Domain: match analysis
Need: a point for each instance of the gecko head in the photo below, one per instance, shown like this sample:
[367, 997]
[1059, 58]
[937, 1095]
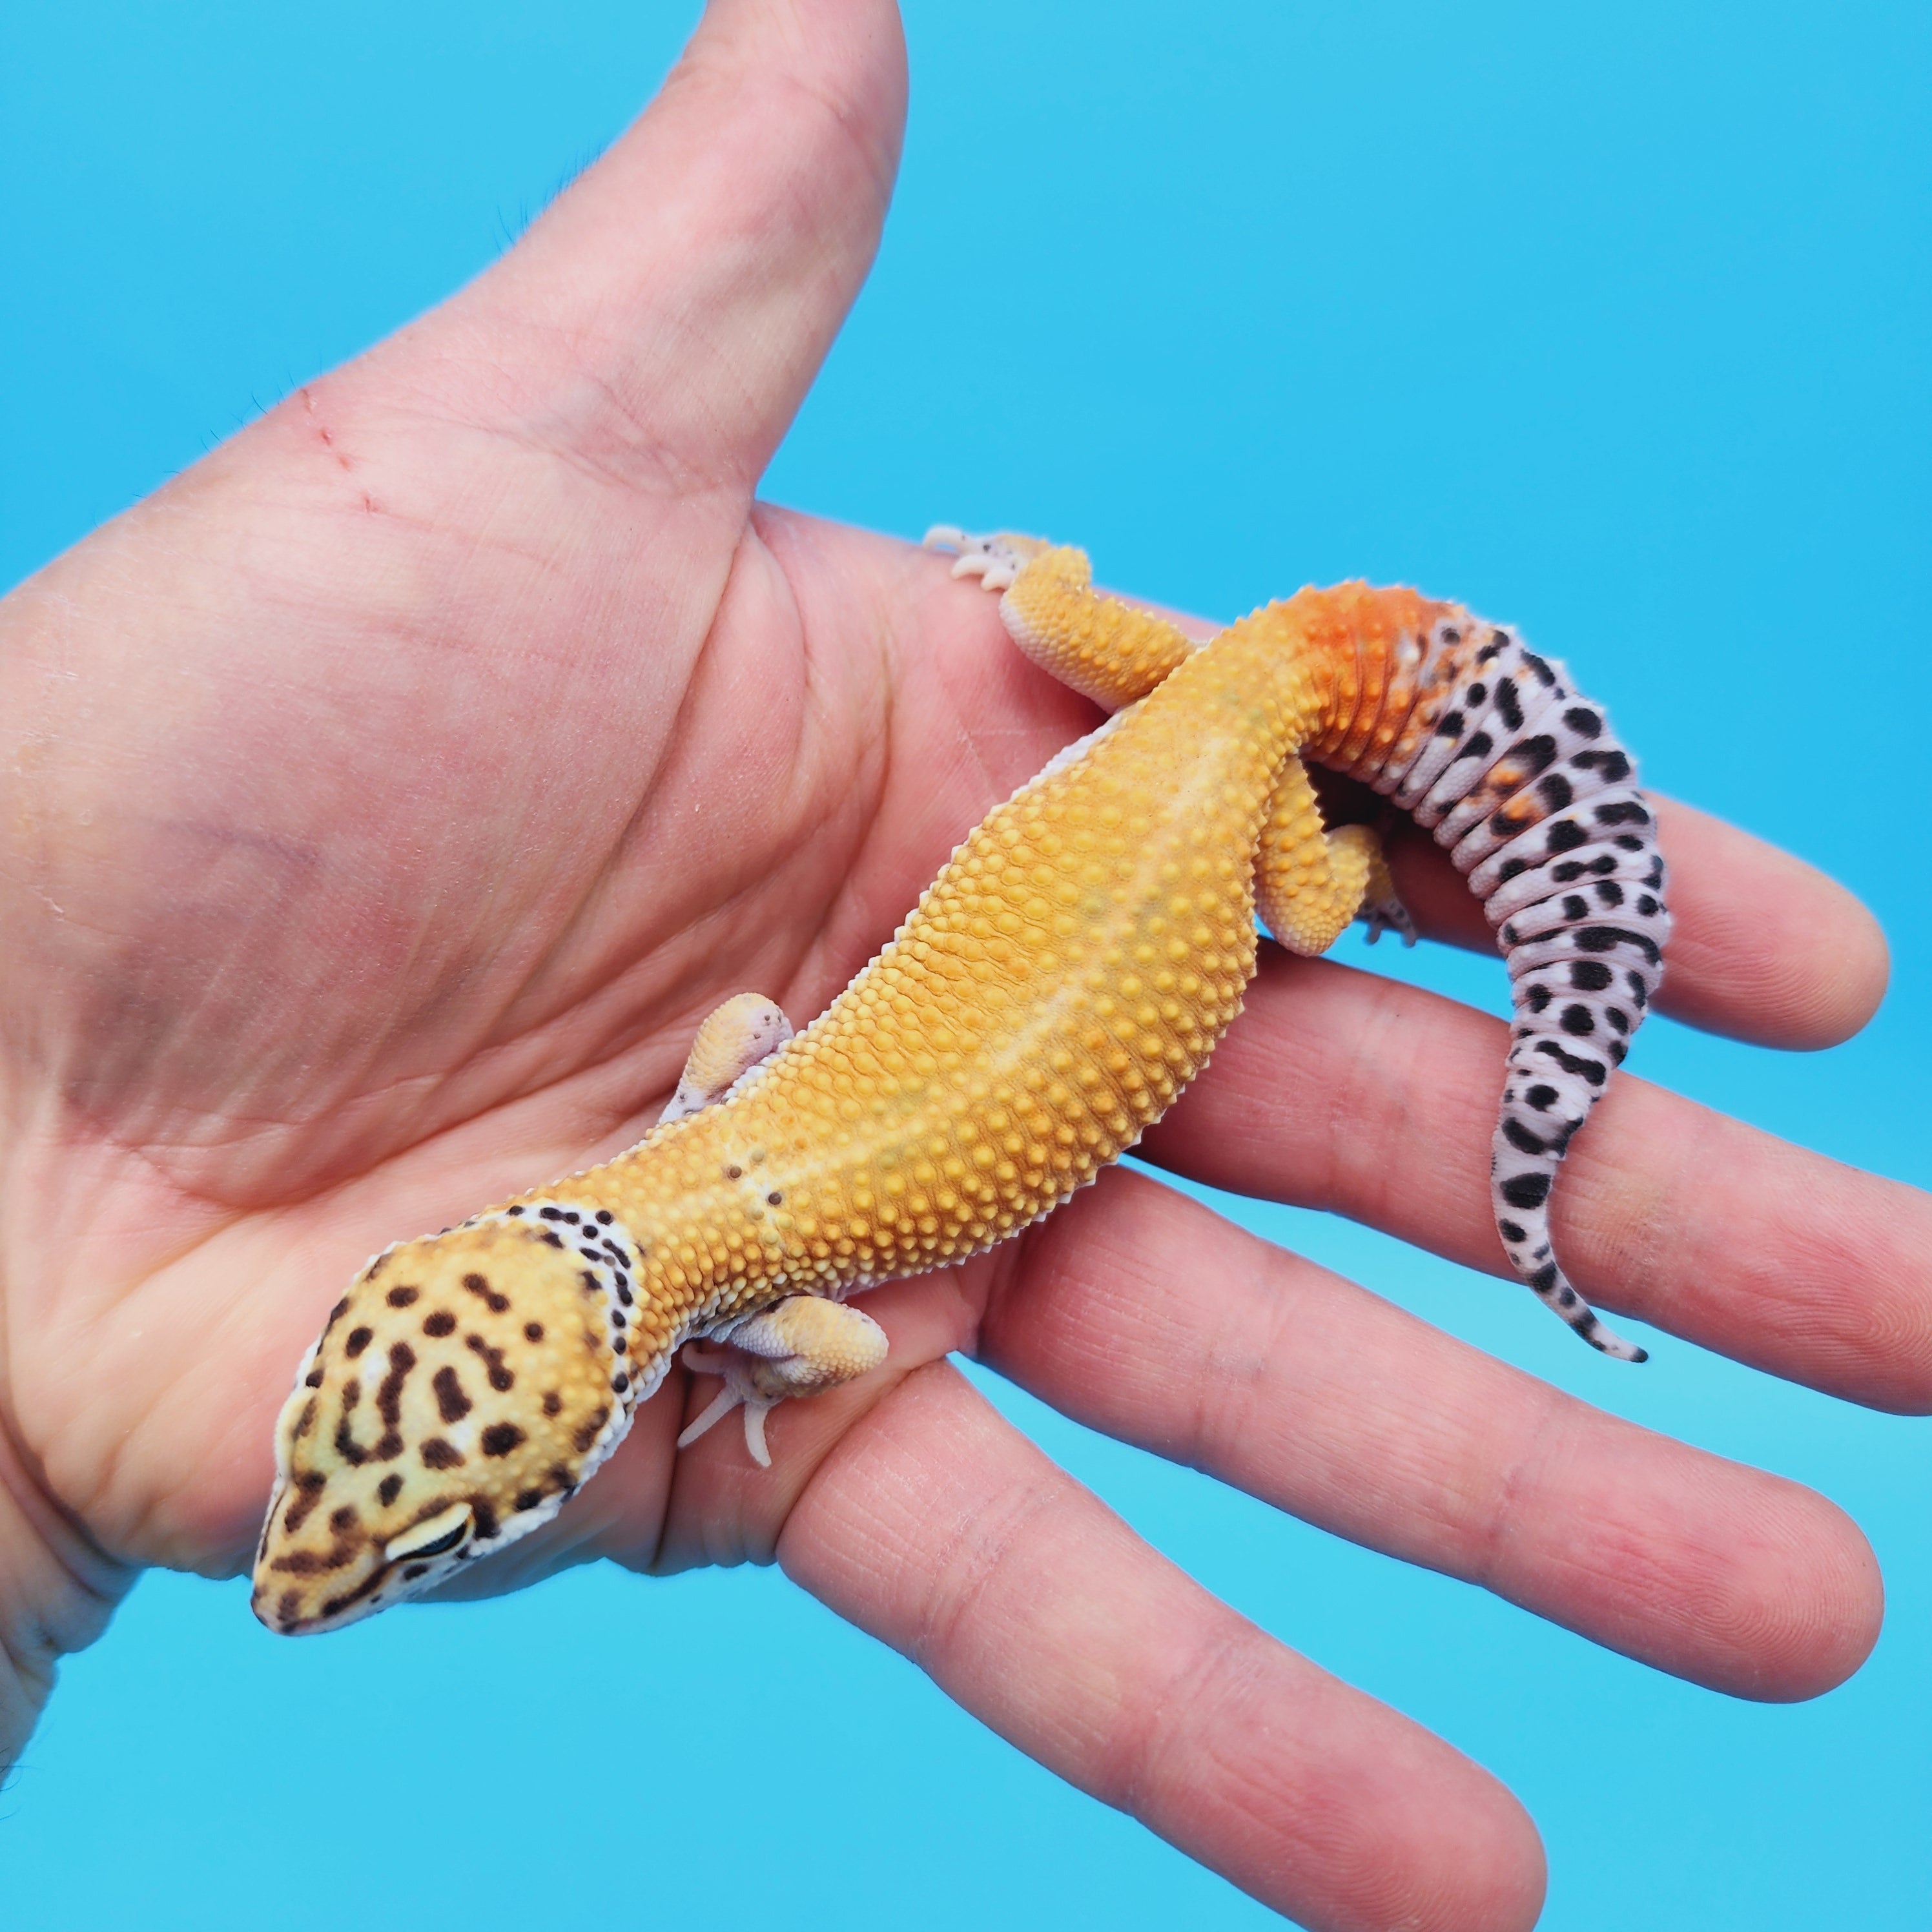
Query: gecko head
[461, 1392]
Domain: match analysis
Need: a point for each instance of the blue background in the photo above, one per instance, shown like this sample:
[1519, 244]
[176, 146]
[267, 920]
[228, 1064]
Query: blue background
[1613, 322]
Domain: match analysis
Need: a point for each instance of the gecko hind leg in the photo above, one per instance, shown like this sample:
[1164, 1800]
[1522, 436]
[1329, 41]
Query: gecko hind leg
[1111, 651]
[801, 1345]
[735, 1038]
[1310, 883]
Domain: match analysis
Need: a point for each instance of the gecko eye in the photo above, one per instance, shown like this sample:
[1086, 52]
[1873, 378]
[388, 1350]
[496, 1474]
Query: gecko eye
[434, 1536]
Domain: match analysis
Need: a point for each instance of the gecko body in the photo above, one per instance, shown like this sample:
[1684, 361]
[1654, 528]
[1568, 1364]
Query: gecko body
[1066, 976]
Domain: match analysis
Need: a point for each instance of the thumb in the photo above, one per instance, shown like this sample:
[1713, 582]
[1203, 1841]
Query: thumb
[666, 315]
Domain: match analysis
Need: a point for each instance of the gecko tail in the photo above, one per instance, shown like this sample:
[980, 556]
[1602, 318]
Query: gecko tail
[1543, 1107]
[1520, 777]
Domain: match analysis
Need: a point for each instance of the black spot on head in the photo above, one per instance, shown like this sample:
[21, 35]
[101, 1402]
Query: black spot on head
[341, 1308]
[451, 1403]
[734, 1173]
[775, 1199]
[485, 1516]
[528, 1499]
[313, 1379]
[533, 1331]
[359, 1338]
[620, 1382]
[604, 1217]
[554, 1239]
[478, 1285]
[501, 1377]
[586, 1437]
[555, 1214]
[500, 1438]
[552, 1403]
[1526, 1190]
[389, 1489]
[440, 1324]
[514, 1213]
[401, 1298]
[343, 1519]
[1589, 976]
[389, 1394]
[438, 1454]
[1578, 1020]
[309, 1485]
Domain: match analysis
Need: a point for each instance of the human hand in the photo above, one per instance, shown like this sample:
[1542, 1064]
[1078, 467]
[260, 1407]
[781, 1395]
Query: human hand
[393, 794]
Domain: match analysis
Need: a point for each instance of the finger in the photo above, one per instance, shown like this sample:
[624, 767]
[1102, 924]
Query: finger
[680, 295]
[1341, 1090]
[943, 1532]
[1763, 947]
[1140, 1312]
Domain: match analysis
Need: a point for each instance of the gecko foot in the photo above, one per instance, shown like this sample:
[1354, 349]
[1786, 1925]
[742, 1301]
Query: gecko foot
[798, 1346]
[736, 1040]
[1387, 914]
[995, 559]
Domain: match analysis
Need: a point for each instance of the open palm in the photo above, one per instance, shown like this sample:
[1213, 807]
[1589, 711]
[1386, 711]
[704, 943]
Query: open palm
[389, 797]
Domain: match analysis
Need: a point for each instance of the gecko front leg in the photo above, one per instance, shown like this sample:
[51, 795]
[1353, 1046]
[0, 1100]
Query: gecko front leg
[736, 1038]
[804, 1343]
[802, 1346]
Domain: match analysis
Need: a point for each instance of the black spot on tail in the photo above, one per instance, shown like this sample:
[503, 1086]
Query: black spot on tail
[1526, 1190]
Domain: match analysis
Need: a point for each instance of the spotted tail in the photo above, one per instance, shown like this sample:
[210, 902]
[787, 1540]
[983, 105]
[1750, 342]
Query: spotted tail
[1520, 778]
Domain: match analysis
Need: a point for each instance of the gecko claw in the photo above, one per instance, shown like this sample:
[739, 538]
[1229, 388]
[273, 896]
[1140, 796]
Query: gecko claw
[995, 559]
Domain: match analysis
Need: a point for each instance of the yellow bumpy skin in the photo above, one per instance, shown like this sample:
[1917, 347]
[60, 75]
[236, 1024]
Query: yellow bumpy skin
[1065, 976]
